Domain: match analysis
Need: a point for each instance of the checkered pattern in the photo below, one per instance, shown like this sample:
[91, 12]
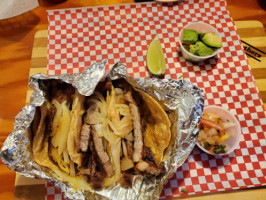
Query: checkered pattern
[53, 193]
[82, 36]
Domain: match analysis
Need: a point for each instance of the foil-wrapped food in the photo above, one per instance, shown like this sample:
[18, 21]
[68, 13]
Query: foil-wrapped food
[105, 135]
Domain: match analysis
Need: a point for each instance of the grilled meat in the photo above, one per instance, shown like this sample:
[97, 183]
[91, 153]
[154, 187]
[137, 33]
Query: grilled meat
[130, 149]
[148, 168]
[148, 155]
[138, 136]
[84, 137]
[50, 118]
[102, 155]
[94, 171]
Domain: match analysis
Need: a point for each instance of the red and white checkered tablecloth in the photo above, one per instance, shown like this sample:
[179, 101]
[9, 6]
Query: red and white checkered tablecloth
[82, 36]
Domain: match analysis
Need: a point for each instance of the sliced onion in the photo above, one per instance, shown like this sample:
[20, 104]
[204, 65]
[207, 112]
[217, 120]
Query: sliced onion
[99, 129]
[94, 118]
[123, 109]
[113, 112]
[72, 169]
[121, 105]
[56, 103]
[65, 156]
[119, 95]
[124, 148]
[60, 138]
[126, 121]
[110, 136]
[113, 126]
[126, 164]
[119, 91]
[123, 132]
[57, 116]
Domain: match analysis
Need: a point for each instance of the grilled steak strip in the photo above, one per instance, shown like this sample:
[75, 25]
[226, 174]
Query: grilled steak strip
[95, 173]
[50, 118]
[138, 139]
[130, 150]
[102, 155]
[84, 137]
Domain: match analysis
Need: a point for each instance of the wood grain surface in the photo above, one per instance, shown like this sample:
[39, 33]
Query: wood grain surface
[251, 33]
[16, 44]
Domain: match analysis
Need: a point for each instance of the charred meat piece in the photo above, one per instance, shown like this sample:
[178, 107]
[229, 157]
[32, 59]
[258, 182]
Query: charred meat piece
[138, 138]
[89, 162]
[108, 85]
[95, 173]
[148, 168]
[130, 149]
[50, 118]
[67, 92]
[84, 137]
[147, 165]
[127, 179]
[62, 92]
[97, 179]
[102, 155]
[148, 156]
[124, 85]
[103, 86]
[152, 169]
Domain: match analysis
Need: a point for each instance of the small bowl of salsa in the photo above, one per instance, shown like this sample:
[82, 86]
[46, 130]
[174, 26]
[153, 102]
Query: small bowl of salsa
[219, 132]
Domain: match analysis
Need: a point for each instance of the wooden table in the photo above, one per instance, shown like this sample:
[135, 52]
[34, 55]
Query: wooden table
[16, 43]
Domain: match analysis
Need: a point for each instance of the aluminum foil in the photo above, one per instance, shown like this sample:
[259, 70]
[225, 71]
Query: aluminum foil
[183, 101]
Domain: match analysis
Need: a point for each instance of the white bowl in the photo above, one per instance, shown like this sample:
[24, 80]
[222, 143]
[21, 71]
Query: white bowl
[235, 131]
[200, 27]
[167, 1]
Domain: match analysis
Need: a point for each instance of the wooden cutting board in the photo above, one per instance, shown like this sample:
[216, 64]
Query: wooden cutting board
[253, 38]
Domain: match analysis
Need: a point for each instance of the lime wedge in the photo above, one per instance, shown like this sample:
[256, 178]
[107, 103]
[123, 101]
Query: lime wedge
[155, 58]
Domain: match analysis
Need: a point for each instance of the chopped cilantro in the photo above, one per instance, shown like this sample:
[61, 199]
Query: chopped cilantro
[207, 145]
[219, 149]
[183, 191]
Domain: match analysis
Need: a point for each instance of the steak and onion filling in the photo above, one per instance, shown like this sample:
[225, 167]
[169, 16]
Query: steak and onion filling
[103, 139]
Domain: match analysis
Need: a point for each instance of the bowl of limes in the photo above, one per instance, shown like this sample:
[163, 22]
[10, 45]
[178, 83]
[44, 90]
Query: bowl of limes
[199, 41]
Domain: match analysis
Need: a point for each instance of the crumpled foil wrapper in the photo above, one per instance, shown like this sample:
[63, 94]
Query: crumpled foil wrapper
[178, 96]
